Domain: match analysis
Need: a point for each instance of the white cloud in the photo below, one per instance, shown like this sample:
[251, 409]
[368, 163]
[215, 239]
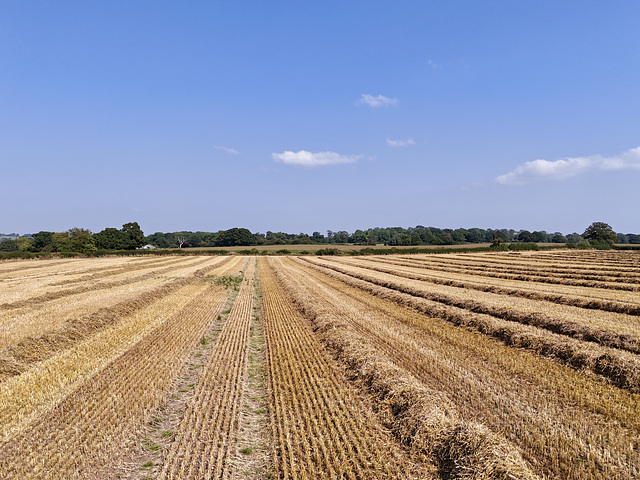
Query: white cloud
[310, 159]
[544, 169]
[230, 151]
[629, 160]
[569, 167]
[379, 101]
[400, 143]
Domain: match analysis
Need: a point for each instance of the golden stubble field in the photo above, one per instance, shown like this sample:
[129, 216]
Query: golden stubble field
[476, 366]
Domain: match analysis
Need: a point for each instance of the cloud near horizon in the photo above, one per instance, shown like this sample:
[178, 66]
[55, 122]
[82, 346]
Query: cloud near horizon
[400, 143]
[569, 167]
[379, 101]
[310, 159]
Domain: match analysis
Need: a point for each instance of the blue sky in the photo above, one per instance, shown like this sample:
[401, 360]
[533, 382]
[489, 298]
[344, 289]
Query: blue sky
[303, 116]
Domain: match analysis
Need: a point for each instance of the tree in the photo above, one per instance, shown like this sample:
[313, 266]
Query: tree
[525, 236]
[498, 242]
[600, 233]
[8, 245]
[129, 237]
[475, 235]
[359, 237]
[428, 238]
[181, 239]
[75, 239]
[574, 238]
[459, 235]
[111, 239]
[622, 238]
[539, 237]
[161, 240]
[235, 237]
[41, 241]
[317, 237]
[445, 238]
[341, 237]
[133, 235]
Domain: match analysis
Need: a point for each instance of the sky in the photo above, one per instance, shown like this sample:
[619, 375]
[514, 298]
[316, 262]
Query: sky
[308, 116]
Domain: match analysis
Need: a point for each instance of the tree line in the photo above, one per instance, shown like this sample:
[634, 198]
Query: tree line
[131, 237]
[79, 240]
[390, 236]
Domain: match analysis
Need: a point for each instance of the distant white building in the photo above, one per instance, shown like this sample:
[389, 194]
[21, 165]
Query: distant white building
[148, 246]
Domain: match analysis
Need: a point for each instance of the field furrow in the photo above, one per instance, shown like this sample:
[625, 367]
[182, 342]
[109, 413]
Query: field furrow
[35, 334]
[320, 427]
[620, 367]
[607, 328]
[477, 366]
[583, 297]
[206, 435]
[95, 418]
[186, 267]
[552, 413]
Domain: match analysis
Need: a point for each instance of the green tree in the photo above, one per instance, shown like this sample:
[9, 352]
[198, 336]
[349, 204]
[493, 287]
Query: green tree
[600, 233]
[359, 237]
[235, 237]
[459, 235]
[622, 238]
[428, 238]
[8, 245]
[111, 239]
[574, 238]
[317, 237]
[161, 240]
[525, 236]
[341, 237]
[475, 235]
[75, 239]
[498, 242]
[539, 237]
[133, 235]
[129, 237]
[42, 241]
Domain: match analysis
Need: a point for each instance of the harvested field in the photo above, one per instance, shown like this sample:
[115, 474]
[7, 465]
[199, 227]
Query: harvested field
[448, 366]
[320, 427]
[557, 398]
[206, 435]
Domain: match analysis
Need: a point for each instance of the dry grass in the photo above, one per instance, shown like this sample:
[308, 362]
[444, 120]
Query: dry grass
[100, 392]
[540, 310]
[554, 414]
[467, 375]
[420, 417]
[620, 367]
[583, 297]
[36, 332]
[320, 426]
[205, 438]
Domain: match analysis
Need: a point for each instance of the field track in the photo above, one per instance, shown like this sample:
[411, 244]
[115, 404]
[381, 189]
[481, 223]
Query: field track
[205, 437]
[318, 423]
[497, 365]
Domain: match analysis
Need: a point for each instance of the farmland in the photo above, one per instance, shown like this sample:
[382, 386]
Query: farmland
[484, 365]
